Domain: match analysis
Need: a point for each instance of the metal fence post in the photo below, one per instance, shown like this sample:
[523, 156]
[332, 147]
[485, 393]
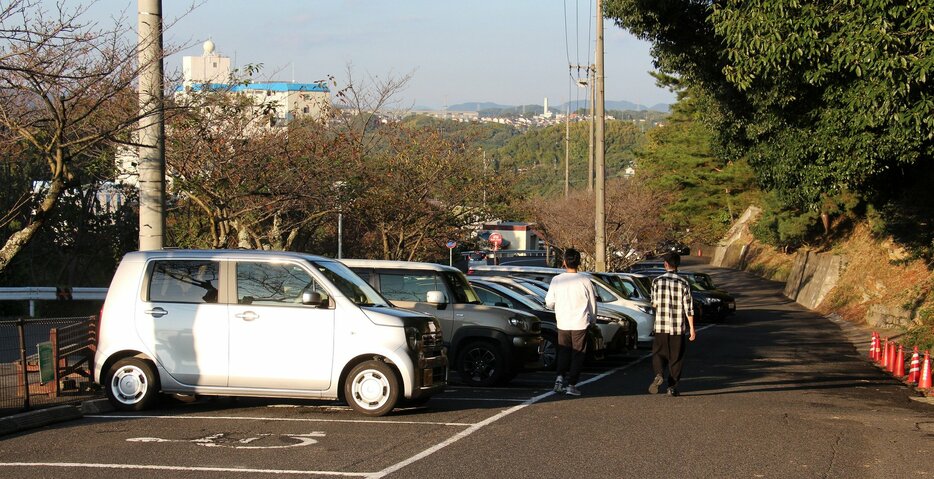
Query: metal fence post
[21, 326]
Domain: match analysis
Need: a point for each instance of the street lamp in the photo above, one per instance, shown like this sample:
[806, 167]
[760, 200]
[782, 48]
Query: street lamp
[339, 186]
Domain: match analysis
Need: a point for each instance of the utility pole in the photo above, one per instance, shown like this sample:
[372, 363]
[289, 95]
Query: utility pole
[567, 149]
[590, 72]
[599, 166]
[151, 126]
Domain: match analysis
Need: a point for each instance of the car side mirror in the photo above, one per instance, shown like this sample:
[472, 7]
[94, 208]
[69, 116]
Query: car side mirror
[312, 298]
[501, 304]
[437, 298]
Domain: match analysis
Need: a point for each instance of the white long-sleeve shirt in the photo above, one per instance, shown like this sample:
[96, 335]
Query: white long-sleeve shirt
[572, 297]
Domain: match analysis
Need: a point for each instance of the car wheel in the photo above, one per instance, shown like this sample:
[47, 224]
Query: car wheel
[371, 388]
[132, 384]
[549, 352]
[481, 363]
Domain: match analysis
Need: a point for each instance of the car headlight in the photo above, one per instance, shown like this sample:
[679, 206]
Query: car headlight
[646, 309]
[520, 323]
[413, 337]
[606, 319]
[710, 300]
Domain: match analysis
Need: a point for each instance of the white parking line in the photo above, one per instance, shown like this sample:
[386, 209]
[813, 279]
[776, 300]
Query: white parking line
[282, 419]
[480, 425]
[446, 398]
[185, 468]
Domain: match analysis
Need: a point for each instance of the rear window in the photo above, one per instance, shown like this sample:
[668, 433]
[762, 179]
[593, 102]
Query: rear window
[184, 282]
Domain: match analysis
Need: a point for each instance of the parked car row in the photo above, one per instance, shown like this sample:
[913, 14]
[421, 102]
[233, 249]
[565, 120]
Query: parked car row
[376, 334]
[710, 302]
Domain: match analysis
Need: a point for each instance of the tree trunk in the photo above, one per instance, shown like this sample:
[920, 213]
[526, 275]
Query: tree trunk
[825, 220]
[21, 238]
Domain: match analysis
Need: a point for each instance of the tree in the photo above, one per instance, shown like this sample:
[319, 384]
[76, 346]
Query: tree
[708, 191]
[633, 220]
[420, 190]
[826, 100]
[66, 96]
[242, 183]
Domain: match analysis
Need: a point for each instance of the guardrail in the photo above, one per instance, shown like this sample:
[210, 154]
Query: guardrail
[45, 293]
[46, 361]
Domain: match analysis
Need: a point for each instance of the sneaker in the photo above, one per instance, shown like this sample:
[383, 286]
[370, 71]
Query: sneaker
[572, 390]
[653, 388]
[672, 392]
[559, 385]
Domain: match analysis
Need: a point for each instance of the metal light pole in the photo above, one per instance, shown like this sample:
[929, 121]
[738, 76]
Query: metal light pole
[590, 71]
[151, 127]
[600, 149]
[340, 234]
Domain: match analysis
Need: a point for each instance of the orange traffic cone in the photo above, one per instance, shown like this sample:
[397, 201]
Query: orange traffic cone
[890, 360]
[872, 345]
[914, 369]
[884, 361]
[899, 370]
[924, 382]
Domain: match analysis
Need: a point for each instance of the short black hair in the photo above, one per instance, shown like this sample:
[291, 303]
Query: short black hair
[572, 258]
[672, 258]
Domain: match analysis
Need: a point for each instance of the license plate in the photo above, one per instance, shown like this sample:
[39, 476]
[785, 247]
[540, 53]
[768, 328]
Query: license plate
[427, 378]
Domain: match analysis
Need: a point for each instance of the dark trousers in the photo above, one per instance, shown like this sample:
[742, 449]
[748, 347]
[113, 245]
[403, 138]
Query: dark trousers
[572, 349]
[668, 352]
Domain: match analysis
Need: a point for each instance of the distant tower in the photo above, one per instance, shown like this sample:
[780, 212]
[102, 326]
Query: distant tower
[546, 107]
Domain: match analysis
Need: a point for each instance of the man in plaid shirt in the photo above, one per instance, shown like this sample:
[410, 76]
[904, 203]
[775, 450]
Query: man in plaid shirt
[671, 297]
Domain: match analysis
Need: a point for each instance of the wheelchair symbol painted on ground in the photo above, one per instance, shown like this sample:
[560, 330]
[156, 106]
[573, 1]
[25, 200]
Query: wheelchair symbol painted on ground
[259, 441]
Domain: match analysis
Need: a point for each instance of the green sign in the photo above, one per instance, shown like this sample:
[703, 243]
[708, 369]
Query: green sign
[46, 362]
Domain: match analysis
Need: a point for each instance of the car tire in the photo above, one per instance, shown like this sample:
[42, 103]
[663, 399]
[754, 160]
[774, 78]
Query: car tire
[132, 384]
[481, 364]
[372, 388]
[549, 352]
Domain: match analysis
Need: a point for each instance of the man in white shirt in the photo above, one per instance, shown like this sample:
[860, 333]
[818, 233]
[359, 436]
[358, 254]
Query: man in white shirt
[574, 300]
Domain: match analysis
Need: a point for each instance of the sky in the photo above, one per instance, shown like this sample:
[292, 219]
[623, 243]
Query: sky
[504, 51]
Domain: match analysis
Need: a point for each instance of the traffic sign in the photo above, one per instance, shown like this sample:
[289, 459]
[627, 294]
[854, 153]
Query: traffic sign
[496, 239]
[451, 244]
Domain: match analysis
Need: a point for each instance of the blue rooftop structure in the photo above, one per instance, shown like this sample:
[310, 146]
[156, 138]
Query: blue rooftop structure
[269, 86]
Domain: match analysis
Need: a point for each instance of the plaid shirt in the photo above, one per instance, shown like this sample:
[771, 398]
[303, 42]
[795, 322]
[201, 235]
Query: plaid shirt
[671, 296]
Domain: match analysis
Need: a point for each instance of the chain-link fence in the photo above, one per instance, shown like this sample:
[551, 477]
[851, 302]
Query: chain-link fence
[46, 361]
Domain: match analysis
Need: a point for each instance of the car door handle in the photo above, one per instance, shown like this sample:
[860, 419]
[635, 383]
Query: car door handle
[247, 315]
[156, 312]
[459, 315]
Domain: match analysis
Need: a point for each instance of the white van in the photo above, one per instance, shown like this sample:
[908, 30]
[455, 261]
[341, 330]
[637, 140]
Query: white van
[261, 323]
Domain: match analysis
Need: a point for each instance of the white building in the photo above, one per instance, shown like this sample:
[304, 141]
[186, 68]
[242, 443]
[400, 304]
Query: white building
[289, 100]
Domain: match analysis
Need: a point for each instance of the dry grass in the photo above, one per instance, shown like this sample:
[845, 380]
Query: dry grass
[768, 262]
[877, 274]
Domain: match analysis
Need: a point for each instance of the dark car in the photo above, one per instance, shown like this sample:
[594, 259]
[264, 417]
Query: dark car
[710, 303]
[495, 294]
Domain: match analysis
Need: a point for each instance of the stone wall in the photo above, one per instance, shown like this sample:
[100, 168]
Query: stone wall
[731, 252]
[812, 277]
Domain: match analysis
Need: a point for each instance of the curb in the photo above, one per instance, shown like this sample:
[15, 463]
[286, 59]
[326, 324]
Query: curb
[53, 415]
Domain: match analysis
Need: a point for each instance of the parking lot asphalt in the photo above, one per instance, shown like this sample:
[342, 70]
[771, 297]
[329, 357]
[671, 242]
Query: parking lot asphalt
[776, 391]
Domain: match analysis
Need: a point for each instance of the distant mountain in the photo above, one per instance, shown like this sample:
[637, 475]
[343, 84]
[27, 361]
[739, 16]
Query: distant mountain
[496, 108]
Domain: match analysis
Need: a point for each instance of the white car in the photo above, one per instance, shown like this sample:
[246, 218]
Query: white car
[260, 323]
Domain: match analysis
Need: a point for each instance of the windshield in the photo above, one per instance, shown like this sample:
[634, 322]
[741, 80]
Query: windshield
[640, 290]
[604, 291]
[695, 285]
[461, 288]
[351, 285]
[617, 284]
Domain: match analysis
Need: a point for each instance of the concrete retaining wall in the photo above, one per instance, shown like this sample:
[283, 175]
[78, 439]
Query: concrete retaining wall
[812, 277]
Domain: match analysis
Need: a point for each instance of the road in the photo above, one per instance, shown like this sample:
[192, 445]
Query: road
[777, 391]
